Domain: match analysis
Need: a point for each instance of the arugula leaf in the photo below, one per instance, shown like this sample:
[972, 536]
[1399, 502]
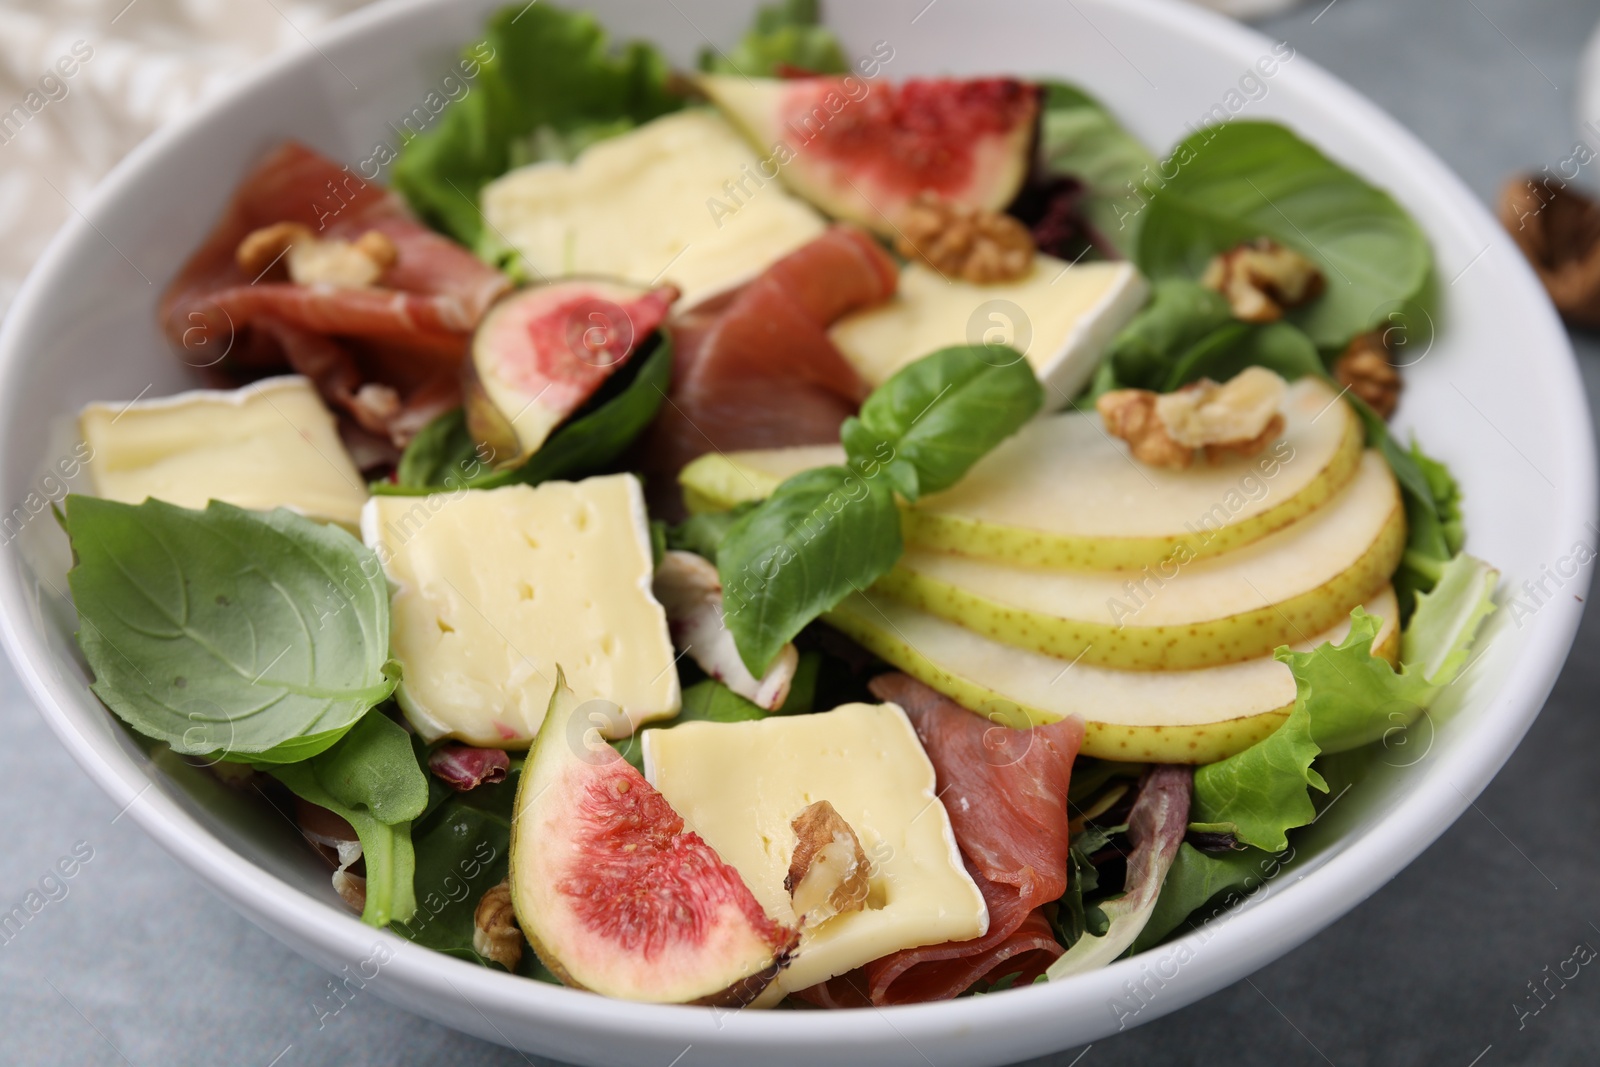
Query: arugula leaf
[1344, 698]
[940, 415]
[1073, 917]
[587, 443]
[821, 535]
[248, 635]
[536, 67]
[1245, 180]
[787, 34]
[372, 780]
[1197, 878]
[1079, 138]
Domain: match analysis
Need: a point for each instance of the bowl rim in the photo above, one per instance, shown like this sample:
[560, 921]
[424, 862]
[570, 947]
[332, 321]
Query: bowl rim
[1244, 939]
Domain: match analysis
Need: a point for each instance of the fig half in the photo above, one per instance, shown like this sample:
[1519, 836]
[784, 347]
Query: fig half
[613, 892]
[862, 151]
[540, 352]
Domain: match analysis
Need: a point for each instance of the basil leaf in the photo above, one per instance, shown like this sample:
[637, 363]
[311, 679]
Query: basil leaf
[589, 442]
[1078, 138]
[1245, 180]
[535, 66]
[936, 417]
[821, 535]
[229, 632]
[373, 781]
[787, 34]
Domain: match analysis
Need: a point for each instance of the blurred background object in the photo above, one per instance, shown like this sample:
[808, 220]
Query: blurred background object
[87, 80]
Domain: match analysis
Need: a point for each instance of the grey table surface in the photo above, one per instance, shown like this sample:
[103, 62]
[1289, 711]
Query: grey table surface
[139, 964]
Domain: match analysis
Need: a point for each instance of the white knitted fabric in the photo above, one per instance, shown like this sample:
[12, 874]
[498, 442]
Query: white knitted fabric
[83, 81]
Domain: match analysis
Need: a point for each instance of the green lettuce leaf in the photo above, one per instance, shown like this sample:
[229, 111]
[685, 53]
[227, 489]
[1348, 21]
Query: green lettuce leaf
[787, 34]
[1245, 180]
[537, 68]
[1260, 793]
[1344, 698]
[1078, 138]
[229, 633]
[373, 780]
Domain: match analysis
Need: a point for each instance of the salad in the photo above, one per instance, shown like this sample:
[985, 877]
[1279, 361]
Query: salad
[780, 534]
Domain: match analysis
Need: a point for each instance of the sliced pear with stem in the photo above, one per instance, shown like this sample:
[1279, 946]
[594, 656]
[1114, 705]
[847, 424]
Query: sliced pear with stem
[1179, 614]
[1062, 493]
[1195, 716]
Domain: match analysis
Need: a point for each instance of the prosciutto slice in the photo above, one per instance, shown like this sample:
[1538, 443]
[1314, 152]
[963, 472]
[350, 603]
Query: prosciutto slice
[407, 334]
[1006, 793]
[756, 369]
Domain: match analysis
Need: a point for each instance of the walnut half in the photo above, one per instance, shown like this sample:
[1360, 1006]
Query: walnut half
[495, 933]
[291, 251]
[963, 242]
[1261, 279]
[828, 871]
[1167, 429]
[1365, 370]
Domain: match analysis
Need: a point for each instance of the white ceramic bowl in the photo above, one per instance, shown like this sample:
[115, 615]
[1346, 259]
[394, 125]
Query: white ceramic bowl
[1498, 397]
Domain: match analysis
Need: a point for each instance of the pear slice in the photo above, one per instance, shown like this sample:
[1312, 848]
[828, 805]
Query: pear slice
[1180, 613]
[1059, 315]
[1061, 493]
[1195, 716]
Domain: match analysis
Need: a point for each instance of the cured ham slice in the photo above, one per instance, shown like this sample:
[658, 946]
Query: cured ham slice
[756, 369]
[406, 334]
[1006, 793]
